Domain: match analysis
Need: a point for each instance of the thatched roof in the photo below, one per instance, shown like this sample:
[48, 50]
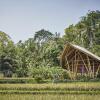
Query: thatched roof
[85, 51]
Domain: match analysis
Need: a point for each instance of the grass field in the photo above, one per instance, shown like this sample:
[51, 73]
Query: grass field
[51, 88]
[48, 97]
[51, 91]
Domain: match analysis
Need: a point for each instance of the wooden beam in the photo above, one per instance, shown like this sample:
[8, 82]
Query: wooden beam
[68, 64]
[72, 66]
[93, 70]
[84, 59]
[97, 70]
[67, 49]
[89, 66]
[83, 62]
[68, 68]
[72, 59]
[70, 52]
[76, 65]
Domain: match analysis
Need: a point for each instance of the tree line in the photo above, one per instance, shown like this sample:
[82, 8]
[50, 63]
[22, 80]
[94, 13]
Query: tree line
[43, 49]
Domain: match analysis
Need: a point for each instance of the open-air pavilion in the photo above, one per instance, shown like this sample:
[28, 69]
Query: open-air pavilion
[77, 59]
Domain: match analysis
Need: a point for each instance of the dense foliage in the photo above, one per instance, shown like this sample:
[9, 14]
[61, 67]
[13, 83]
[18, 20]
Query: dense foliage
[38, 55]
[86, 32]
[40, 51]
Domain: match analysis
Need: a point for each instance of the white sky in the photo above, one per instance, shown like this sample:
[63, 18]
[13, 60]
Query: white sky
[22, 18]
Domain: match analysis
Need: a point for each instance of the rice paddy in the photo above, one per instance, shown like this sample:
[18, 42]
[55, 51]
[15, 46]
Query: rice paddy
[51, 91]
[48, 97]
[51, 88]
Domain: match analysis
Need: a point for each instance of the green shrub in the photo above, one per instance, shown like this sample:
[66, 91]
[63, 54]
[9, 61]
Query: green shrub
[65, 74]
[38, 79]
[83, 77]
[49, 73]
[22, 72]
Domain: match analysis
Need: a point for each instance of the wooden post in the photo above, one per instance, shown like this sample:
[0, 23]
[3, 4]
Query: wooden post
[75, 64]
[68, 67]
[73, 69]
[97, 70]
[89, 66]
[70, 52]
[93, 70]
[83, 62]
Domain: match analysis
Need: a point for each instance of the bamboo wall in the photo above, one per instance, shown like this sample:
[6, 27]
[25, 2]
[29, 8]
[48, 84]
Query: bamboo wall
[78, 62]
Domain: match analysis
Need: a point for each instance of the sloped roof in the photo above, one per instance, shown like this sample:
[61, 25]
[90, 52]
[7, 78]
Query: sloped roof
[84, 51]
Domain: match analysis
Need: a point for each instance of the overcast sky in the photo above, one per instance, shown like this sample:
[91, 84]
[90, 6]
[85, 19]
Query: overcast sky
[22, 18]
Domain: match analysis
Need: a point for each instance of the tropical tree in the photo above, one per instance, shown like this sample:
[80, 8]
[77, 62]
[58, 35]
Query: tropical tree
[7, 55]
[42, 36]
